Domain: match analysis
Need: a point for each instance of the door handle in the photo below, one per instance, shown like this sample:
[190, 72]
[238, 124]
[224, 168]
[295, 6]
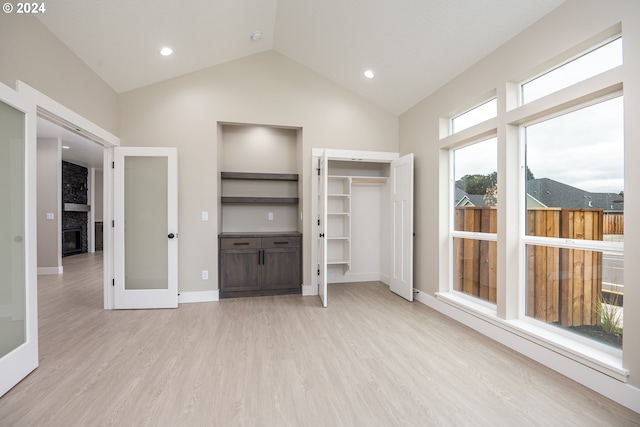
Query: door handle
[171, 235]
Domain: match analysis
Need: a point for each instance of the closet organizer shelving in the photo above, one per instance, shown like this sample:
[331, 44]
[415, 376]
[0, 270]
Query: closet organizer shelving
[339, 227]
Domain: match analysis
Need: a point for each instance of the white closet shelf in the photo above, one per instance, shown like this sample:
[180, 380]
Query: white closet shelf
[337, 213]
[381, 180]
[338, 237]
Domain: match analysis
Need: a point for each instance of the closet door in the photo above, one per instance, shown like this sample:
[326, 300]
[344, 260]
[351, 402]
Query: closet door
[401, 183]
[322, 229]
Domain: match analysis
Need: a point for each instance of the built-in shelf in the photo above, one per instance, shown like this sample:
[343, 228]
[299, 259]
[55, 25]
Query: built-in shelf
[260, 176]
[253, 176]
[268, 200]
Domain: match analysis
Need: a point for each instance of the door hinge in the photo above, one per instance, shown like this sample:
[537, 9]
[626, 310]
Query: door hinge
[318, 222]
[318, 169]
[318, 272]
[113, 282]
[113, 165]
[113, 223]
[321, 234]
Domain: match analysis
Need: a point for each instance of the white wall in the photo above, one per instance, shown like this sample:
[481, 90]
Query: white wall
[267, 89]
[568, 26]
[49, 201]
[32, 54]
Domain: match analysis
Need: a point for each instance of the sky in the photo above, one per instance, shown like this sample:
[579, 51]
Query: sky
[584, 148]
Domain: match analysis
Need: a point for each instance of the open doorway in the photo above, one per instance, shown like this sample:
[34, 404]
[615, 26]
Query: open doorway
[89, 144]
[70, 195]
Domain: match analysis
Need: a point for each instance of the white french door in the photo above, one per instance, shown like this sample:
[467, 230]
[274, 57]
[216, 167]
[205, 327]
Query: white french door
[145, 227]
[18, 285]
[322, 229]
[401, 182]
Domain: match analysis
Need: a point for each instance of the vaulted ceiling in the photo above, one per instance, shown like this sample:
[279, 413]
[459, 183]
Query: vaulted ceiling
[413, 46]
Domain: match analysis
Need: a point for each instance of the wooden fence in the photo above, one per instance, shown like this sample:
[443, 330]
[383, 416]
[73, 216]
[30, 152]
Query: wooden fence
[475, 270]
[613, 223]
[562, 284]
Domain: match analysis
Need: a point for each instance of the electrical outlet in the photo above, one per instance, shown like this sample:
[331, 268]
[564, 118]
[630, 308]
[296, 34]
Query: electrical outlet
[205, 275]
[50, 216]
[270, 216]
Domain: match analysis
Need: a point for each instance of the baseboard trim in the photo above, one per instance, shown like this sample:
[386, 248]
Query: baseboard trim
[49, 271]
[355, 277]
[618, 391]
[309, 290]
[198, 296]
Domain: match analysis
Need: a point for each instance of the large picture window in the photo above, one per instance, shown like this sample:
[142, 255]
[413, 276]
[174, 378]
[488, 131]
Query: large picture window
[475, 219]
[540, 248]
[574, 221]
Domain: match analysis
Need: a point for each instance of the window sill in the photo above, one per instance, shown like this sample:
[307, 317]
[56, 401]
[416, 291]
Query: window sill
[596, 356]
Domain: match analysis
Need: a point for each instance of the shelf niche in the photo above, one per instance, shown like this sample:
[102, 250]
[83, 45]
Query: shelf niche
[258, 182]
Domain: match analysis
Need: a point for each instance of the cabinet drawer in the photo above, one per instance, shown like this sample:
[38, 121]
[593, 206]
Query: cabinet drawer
[280, 242]
[240, 243]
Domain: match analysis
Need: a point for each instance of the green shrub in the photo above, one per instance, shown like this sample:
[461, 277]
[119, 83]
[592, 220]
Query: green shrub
[609, 315]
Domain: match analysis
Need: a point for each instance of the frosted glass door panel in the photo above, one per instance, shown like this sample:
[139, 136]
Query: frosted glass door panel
[146, 223]
[12, 230]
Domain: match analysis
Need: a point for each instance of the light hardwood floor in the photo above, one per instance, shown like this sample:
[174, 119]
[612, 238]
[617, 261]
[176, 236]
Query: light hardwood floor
[370, 359]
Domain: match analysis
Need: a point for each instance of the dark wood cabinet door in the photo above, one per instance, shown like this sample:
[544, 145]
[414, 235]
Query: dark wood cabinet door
[240, 270]
[281, 268]
[252, 265]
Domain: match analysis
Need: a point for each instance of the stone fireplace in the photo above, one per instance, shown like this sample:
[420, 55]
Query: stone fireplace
[75, 209]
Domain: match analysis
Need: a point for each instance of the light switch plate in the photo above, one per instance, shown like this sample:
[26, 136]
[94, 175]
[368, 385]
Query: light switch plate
[205, 216]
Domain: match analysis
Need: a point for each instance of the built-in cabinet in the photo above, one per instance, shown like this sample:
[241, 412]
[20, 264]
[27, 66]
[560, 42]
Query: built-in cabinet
[259, 243]
[260, 264]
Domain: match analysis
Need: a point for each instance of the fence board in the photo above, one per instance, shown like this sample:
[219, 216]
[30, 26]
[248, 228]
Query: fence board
[613, 224]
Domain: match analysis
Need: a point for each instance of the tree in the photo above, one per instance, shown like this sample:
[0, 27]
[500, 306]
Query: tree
[490, 197]
[530, 174]
[477, 184]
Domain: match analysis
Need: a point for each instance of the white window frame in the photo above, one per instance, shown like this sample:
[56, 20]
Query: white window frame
[485, 101]
[509, 313]
[616, 248]
[580, 54]
[457, 234]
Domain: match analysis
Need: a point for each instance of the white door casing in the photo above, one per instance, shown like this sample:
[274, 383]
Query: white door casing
[401, 181]
[145, 236]
[18, 287]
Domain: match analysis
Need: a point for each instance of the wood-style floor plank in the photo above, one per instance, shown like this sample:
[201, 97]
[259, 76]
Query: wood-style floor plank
[370, 359]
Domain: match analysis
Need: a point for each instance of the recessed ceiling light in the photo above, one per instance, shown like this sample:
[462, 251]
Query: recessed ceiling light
[166, 51]
[256, 36]
[66, 147]
[369, 74]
